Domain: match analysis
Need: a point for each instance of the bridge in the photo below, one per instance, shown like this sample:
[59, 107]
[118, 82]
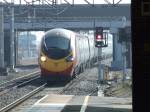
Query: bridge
[42, 17]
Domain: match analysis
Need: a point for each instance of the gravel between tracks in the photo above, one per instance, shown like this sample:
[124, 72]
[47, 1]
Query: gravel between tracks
[17, 93]
[20, 71]
[84, 84]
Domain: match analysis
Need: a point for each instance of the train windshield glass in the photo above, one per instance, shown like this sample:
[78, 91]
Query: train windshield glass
[57, 42]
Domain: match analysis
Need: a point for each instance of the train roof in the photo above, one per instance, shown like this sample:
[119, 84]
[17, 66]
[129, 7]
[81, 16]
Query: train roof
[59, 32]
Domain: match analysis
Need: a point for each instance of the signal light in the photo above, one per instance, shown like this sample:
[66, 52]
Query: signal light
[98, 37]
[101, 39]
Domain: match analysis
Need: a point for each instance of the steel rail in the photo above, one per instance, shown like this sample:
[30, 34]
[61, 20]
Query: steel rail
[19, 78]
[19, 85]
[20, 100]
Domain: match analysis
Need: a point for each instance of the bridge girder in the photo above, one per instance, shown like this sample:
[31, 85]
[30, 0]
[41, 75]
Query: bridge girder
[69, 25]
[67, 16]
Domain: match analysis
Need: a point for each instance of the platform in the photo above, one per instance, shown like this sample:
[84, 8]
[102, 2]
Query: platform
[71, 103]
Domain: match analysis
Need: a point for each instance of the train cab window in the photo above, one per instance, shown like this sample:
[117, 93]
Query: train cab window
[57, 42]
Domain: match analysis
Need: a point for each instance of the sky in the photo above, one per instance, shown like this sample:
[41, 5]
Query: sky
[75, 1]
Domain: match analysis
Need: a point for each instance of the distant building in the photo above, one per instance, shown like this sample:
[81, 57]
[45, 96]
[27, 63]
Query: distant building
[27, 45]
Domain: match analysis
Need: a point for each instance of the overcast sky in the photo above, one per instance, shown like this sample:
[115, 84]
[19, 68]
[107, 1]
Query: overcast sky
[75, 1]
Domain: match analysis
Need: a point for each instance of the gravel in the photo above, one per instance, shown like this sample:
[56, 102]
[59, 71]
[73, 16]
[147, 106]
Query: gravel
[123, 89]
[17, 93]
[85, 84]
[20, 71]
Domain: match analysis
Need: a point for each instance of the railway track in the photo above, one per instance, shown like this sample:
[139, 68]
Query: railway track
[7, 83]
[41, 88]
[16, 88]
[20, 100]
[35, 91]
[27, 96]
[18, 82]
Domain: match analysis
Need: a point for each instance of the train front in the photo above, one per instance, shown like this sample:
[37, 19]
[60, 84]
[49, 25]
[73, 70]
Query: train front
[56, 59]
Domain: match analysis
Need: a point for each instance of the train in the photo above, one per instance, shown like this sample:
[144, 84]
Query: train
[65, 53]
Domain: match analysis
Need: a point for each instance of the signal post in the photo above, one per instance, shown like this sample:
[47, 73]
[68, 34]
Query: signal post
[101, 40]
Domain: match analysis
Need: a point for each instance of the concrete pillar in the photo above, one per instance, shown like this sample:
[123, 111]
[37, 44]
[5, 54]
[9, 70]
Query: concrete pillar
[3, 68]
[16, 48]
[7, 47]
[130, 57]
[124, 51]
[1, 39]
[12, 48]
[117, 50]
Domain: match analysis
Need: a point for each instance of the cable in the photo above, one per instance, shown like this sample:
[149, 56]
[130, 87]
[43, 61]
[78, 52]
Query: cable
[87, 2]
[113, 2]
[118, 1]
[49, 4]
[58, 13]
[107, 1]
[67, 2]
[31, 1]
[57, 10]
[6, 1]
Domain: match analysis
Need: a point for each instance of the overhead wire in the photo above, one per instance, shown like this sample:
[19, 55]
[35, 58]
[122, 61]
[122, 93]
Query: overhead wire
[67, 2]
[49, 4]
[6, 1]
[107, 2]
[118, 1]
[54, 6]
[113, 2]
[87, 2]
[58, 11]
[27, 3]
[31, 1]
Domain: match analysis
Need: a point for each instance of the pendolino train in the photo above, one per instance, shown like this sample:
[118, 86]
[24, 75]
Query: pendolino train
[64, 53]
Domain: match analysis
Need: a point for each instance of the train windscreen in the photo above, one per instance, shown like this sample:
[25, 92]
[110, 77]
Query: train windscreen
[56, 47]
[57, 42]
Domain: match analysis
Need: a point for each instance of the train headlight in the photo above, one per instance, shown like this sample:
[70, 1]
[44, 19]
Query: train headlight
[43, 58]
[69, 58]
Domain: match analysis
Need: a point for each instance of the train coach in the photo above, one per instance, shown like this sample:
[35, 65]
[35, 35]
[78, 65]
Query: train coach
[64, 53]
